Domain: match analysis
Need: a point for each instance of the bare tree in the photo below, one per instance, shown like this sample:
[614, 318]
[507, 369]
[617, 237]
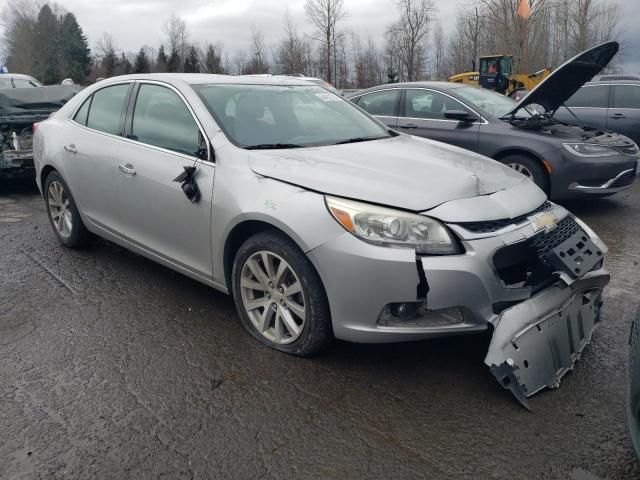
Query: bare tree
[440, 68]
[177, 35]
[291, 55]
[405, 38]
[325, 15]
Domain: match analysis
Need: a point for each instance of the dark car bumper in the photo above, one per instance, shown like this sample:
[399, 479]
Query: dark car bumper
[574, 176]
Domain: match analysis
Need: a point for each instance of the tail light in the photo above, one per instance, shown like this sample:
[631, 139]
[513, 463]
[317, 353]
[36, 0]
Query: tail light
[35, 127]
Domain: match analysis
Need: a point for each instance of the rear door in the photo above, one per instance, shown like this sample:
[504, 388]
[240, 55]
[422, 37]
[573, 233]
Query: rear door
[589, 104]
[624, 111]
[91, 139]
[162, 137]
[422, 114]
[382, 104]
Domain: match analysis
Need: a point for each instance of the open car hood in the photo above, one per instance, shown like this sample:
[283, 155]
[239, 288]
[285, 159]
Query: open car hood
[404, 172]
[567, 79]
[26, 100]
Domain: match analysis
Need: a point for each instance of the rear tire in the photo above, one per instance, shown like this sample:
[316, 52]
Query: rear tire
[63, 213]
[530, 168]
[279, 295]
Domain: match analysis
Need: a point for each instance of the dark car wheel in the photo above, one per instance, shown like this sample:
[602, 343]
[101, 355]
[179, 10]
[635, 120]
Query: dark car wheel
[279, 295]
[63, 213]
[529, 168]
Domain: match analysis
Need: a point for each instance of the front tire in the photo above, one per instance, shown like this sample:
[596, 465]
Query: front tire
[63, 213]
[529, 168]
[279, 295]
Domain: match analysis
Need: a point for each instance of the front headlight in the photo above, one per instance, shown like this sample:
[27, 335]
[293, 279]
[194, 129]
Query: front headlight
[393, 228]
[591, 150]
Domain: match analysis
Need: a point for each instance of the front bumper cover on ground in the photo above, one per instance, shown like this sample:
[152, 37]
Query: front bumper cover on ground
[536, 342]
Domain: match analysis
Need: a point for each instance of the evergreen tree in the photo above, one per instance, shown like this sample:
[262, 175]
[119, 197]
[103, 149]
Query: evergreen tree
[161, 60]
[213, 60]
[173, 64]
[109, 63]
[191, 63]
[125, 66]
[75, 59]
[141, 64]
[47, 60]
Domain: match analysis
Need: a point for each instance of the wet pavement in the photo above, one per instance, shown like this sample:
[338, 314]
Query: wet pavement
[114, 367]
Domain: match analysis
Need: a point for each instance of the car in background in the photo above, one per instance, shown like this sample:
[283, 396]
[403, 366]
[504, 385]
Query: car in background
[322, 222]
[608, 105]
[17, 80]
[616, 76]
[564, 160]
[299, 76]
[20, 109]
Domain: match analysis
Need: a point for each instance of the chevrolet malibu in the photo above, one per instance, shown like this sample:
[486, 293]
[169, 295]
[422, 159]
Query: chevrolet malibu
[322, 222]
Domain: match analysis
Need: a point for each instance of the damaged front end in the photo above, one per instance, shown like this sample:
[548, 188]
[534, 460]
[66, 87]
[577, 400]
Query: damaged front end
[20, 108]
[538, 340]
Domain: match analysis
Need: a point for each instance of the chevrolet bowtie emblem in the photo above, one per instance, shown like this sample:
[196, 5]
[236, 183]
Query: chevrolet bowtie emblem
[545, 221]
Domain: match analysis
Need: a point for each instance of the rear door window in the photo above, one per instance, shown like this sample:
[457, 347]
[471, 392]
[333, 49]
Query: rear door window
[626, 96]
[380, 103]
[106, 112]
[590, 97]
[161, 119]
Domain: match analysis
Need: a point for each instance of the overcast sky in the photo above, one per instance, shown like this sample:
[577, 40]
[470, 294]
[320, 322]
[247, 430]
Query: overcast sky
[134, 23]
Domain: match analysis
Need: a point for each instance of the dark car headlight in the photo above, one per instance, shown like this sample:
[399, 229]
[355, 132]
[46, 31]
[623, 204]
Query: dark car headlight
[591, 150]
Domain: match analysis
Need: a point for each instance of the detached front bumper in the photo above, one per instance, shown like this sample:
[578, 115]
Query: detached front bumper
[367, 286]
[536, 342]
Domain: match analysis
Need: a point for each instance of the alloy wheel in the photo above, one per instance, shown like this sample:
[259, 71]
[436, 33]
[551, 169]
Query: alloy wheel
[59, 209]
[273, 298]
[518, 167]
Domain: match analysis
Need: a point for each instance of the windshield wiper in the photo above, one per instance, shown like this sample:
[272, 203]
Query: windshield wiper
[272, 146]
[358, 139]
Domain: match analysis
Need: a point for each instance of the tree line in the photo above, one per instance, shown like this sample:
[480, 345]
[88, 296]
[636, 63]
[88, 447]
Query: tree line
[47, 42]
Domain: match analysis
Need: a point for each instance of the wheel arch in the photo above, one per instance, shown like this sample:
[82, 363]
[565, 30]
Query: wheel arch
[529, 154]
[44, 173]
[245, 229]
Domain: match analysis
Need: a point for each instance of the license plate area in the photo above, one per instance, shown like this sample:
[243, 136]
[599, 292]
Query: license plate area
[577, 255]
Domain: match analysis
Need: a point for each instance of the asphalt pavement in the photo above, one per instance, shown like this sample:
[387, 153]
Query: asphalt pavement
[112, 366]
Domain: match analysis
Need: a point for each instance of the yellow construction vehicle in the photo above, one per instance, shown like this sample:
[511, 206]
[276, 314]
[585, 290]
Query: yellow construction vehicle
[496, 74]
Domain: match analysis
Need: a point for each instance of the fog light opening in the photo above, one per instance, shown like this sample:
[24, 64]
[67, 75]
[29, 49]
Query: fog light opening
[417, 314]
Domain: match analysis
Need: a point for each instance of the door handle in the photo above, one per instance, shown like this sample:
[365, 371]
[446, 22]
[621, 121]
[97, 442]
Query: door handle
[409, 126]
[616, 116]
[71, 148]
[127, 169]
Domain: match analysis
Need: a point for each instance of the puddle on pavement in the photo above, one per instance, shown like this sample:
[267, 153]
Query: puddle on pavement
[12, 211]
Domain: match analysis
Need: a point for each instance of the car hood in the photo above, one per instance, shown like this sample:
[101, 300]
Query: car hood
[567, 79]
[404, 171]
[26, 100]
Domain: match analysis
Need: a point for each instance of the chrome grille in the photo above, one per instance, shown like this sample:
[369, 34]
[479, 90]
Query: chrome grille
[543, 243]
[624, 180]
[495, 225]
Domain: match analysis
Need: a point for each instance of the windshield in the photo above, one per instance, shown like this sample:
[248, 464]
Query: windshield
[491, 102]
[5, 83]
[276, 116]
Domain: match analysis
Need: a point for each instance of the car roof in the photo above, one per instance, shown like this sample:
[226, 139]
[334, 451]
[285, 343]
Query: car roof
[208, 78]
[435, 85]
[612, 82]
[17, 75]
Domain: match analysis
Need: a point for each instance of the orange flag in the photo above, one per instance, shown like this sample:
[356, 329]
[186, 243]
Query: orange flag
[524, 9]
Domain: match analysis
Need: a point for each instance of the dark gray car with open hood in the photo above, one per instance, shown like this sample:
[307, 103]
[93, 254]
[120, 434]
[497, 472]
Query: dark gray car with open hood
[564, 160]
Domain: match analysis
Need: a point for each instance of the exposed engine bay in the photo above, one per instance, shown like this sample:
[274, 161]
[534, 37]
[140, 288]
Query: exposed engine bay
[20, 108]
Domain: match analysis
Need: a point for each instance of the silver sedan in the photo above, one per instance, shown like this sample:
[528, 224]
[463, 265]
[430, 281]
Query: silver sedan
[322, 222]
